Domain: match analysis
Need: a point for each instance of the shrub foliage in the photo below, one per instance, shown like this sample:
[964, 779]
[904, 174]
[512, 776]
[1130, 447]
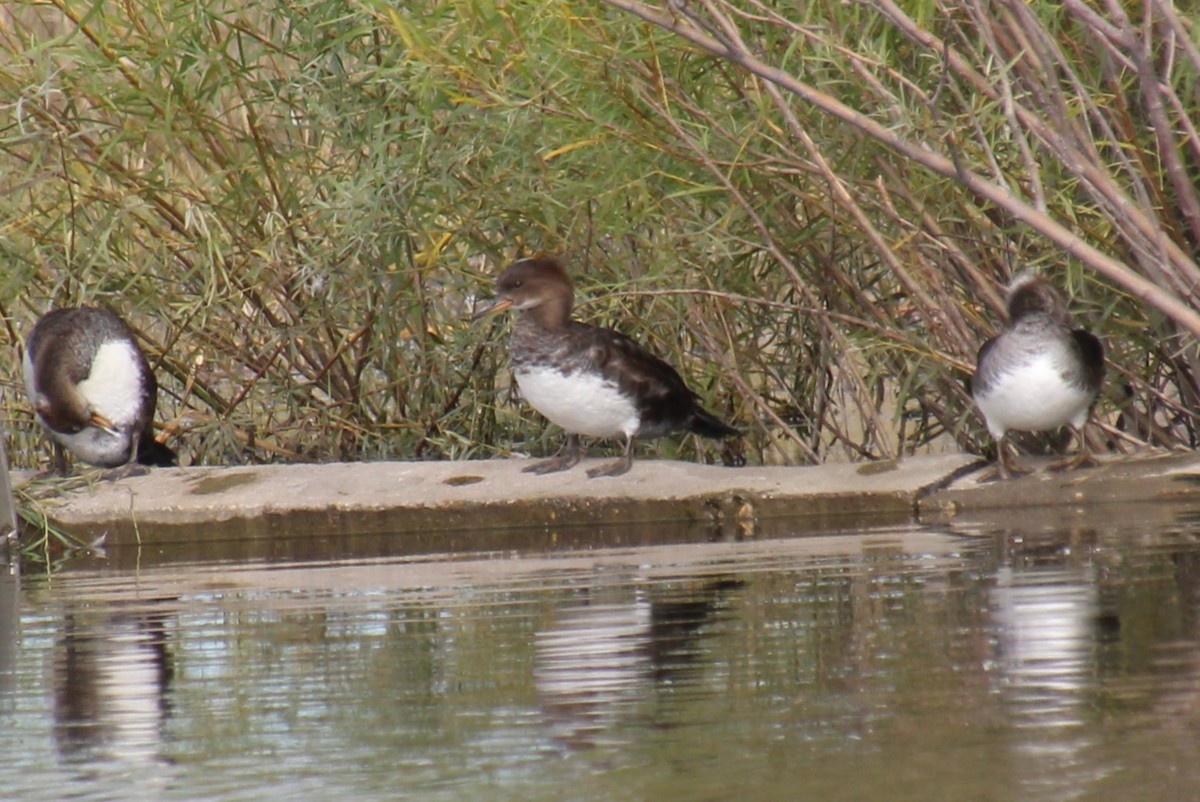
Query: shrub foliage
[810, 209]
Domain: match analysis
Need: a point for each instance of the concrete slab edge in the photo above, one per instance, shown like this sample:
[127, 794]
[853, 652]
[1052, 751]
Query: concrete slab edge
[277, 501]
[210, 503]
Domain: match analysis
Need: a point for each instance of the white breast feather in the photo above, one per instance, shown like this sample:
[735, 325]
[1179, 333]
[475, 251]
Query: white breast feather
[113, 388]
[580, 403]
[96, 446]
[1034, 398]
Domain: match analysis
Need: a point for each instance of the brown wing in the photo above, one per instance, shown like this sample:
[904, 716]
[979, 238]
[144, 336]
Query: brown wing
[665, 402]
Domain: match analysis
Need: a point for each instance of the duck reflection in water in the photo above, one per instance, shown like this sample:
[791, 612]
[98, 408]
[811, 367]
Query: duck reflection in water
[603, 661]
[1047, 604]
[111, 678]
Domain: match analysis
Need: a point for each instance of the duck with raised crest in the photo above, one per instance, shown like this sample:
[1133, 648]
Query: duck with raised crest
[91, 387]
[589, 380]
[1039, 373]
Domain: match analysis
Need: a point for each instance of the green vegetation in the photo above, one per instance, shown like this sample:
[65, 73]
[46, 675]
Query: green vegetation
[810, 212]
[41, 542]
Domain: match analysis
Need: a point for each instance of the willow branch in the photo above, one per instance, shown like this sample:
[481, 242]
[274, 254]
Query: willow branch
[734, 50]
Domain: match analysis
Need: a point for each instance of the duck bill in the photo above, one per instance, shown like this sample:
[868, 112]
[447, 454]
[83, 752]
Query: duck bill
[104, 423]
[498, 305]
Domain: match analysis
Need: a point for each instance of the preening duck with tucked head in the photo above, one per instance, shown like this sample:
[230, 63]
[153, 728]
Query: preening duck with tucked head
[92, 389]
[589, 380]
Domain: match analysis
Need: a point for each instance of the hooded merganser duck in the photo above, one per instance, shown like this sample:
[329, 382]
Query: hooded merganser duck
[589, 380]
[91, 387]
[1038, 374]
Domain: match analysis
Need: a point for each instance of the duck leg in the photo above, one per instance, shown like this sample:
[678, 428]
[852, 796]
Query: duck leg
[60, 460]
[567, 458]
[617, 468]
[131, 467]
[1082, 459]
[1006, 466]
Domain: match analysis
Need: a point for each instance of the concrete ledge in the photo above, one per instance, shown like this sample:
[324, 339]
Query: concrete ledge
[1162, 478]
[428, 501]
[207, 503]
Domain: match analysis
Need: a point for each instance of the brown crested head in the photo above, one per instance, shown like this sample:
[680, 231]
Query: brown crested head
[1030, 295]
[539, 286]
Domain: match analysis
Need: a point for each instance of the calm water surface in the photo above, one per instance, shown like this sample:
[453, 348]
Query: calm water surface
[996, 663]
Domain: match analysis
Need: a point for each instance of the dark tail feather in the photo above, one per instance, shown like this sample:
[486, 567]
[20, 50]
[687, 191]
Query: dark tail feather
[708, 425]
[155, 454]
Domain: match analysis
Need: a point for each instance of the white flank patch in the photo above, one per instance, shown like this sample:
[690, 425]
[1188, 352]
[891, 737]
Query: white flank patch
[580, 403]
[1034, 398]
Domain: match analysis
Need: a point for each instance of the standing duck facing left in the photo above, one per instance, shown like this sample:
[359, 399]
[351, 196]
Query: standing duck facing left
[589, 380]
[91, 387]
